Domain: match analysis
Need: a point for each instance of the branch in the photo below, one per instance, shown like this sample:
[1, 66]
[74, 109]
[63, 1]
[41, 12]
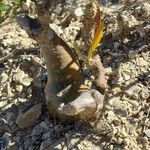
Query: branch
[35, 28]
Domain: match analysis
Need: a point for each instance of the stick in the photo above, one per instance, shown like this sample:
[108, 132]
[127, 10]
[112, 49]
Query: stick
[12, 54]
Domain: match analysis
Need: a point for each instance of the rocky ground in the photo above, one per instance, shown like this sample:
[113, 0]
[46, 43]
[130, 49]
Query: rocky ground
[124, 122]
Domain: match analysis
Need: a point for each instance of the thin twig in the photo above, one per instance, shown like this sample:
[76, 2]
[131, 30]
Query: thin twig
[12, 54]
[8, 56]
[132, 53]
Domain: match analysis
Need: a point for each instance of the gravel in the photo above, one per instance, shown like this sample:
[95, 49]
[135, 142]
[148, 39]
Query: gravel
[124, 122]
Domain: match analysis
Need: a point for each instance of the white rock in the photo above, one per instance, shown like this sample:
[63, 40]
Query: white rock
[147, 132]
[22, 78]
[3, 104]
[127, 77]
[78, 12]
[19, 88]
[119, 108]
[3, 77]
[133, 92]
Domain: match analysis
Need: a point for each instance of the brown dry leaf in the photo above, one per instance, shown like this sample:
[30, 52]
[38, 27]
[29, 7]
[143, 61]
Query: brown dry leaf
[99, 26]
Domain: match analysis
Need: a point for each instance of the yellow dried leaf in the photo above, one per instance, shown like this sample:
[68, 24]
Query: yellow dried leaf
[97, 38]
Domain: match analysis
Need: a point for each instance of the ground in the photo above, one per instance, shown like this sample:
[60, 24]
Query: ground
[124, 121]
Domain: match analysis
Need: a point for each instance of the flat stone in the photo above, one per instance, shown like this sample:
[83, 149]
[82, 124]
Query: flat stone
[118, 106]
[29, 117]
[120, 109]
[103, 127]
[133, 92]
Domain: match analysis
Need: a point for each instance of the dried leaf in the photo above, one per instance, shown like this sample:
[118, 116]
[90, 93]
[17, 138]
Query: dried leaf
[97, 38]
[98, 25]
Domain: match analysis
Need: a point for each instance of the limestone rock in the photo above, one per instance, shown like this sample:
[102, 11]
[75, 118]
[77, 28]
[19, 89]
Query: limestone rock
[86, 105]
[120, 108]
[133, 92]
[147, 132]
[103, 127]
[22, 78]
